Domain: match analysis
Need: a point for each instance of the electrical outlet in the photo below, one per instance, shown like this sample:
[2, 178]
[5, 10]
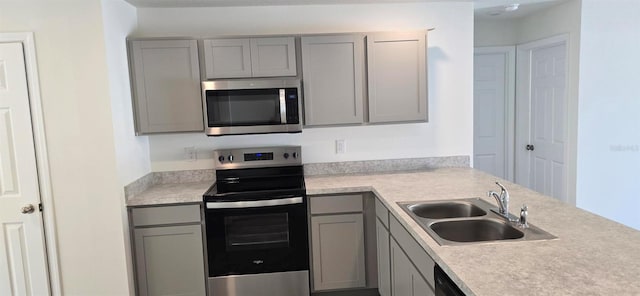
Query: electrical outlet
[341, 146]
[190, 153]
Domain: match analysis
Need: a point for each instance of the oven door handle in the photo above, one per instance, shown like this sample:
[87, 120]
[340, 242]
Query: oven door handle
[254, 204]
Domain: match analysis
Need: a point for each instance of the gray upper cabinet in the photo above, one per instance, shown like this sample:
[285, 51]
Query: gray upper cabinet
[397, 77]
[166, 86]
[273, 56]
[227, 58]
[249, 57]
[333, 70]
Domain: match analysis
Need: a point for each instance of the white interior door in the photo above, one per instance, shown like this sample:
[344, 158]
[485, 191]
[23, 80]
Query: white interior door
[543, 156]
[493, 97]
[23, 266]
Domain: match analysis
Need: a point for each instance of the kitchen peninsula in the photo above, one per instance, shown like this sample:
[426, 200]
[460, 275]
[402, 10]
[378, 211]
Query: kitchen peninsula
[591, 255]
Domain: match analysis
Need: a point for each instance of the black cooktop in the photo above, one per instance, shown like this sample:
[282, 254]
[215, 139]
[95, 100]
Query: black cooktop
[257, 184]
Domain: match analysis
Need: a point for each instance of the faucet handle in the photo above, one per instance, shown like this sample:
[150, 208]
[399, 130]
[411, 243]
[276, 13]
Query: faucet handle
[524, 217]
[501, 186]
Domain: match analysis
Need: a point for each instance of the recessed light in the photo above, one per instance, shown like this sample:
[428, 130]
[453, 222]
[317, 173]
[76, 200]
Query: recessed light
[512, 7]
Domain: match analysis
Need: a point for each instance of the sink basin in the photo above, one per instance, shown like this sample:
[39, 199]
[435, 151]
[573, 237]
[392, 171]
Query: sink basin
[463, 231]
[468, 221]
[446, 210]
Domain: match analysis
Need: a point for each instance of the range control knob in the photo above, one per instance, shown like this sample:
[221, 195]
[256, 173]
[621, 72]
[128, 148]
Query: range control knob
[295, 155]
[221, 159]
[230, 158]
[286, 155]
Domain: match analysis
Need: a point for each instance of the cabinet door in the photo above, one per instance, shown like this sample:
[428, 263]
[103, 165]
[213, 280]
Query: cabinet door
[170, 261]
[397, 77]
[166, 86]
[227, 58]
[405, 278]
[333, 69]
[338, 251]
[273, 57]
[384, 262]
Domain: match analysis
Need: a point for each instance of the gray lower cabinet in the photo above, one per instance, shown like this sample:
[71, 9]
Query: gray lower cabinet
[333, 70]
[165, 77]
[169, 258]
[398, 275]
[249, 57]
[397, 76]
[406, 280]
[384, 262]
[338, 242]
[338, 252]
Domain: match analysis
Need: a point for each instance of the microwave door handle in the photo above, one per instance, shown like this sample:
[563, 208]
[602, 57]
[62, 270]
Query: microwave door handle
[254, 204]
[283, 107]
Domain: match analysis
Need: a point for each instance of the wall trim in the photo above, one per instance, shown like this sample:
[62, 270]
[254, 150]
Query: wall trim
[42, 159]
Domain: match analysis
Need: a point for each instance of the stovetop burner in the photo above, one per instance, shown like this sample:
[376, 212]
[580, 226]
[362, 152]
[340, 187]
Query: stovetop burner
[257, 174]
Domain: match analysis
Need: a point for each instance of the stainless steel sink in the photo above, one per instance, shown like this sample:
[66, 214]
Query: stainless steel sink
[478, 230]
[468, 221]
[444, 210]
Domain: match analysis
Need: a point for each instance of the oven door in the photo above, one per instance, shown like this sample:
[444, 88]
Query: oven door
[253, 237]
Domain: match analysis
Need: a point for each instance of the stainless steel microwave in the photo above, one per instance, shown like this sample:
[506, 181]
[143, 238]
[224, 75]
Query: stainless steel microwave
[238, 107]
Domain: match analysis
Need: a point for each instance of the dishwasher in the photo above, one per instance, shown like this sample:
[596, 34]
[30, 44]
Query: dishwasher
[444, 285]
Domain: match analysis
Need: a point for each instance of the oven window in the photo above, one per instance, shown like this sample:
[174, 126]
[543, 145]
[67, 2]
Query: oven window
[243, 107]
[254, 232]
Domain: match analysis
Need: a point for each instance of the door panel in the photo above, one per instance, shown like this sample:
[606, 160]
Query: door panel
[338, 251]
[397, 77]
[548, 101]
[333, 74]
[23, 268]
[384, 267]
[490, 113]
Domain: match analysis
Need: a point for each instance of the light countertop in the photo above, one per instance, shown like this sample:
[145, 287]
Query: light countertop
[591, 256]
[162, 194]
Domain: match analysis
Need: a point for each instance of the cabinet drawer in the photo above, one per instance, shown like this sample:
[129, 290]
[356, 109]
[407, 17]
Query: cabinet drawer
[332, 204]
[165, 215]
[419, 257]
[382, 213]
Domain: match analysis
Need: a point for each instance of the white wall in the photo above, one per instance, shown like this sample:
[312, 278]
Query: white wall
[132, 152]
[119, 19]
[499, 32]
[87, 194]
[450, 58]
[609, 127]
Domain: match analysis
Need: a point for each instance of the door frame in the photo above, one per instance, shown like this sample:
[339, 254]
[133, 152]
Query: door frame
[523, 109]
[42, 160]
[510, 103]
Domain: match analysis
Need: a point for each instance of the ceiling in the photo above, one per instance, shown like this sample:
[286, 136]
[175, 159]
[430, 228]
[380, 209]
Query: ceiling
[484, 9]
[223, 3]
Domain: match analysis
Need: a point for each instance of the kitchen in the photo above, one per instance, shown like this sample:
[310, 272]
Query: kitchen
[83, 162]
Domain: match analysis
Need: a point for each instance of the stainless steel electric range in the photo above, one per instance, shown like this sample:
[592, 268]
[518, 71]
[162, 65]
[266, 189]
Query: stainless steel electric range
[256, 224]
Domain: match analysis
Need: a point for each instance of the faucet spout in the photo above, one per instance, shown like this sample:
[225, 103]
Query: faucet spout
[499, 200]
[502, 199]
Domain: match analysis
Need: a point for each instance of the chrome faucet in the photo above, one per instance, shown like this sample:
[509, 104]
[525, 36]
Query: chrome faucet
[502, 199]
